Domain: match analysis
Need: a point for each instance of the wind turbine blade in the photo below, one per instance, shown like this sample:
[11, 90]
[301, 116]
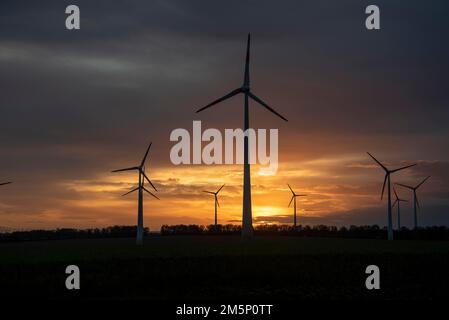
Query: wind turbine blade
[210, 192]
[422, 182]
[219, 189]
[405, 186]
[378, 162]
[402, 168]
[146, 154]
[229, 95]
[300, 195]
[248, 46]
[291, 201]
[383, 187]
[135, 189]
[150, 193]
[3, 183]
[291, 189]
[394, 203]
[394, 190]
[258, 100]
[126, 169]
[218, 203]
[149, 181]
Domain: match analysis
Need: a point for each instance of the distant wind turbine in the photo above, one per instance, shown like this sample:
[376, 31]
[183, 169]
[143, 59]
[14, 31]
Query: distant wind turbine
[415, 198]
[294, 196]
[387, 179]
[4, 183]
[216, 201]
[140, 188]
[398, 202]
[247, 227]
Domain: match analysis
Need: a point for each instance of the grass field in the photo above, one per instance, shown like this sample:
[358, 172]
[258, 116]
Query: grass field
[224, 267]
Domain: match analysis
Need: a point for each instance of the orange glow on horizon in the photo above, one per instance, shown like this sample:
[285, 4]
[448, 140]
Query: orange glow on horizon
[330, 185]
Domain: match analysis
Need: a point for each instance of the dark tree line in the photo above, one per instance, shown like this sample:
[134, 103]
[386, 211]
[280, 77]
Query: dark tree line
[362, 232]
[194, 229]
[359, 232]
[65, 233]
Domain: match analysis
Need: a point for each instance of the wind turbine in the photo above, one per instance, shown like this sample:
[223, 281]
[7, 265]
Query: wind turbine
[247, 226]
[140, 188]
[398, 202]
[4, 183]
[387, 179]
[294, 196]
[216, 201]
[415, 198]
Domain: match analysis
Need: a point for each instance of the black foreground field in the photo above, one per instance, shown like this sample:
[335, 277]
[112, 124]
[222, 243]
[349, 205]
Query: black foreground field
[218, 268]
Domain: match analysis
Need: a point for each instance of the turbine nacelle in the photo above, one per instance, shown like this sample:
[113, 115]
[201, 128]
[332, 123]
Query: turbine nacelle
[414, 188]
[397, 197]
[388, 172]
[140, 169]
[294, 195]
[398, 201]
[142, 186]
[216, 192]
[245, 89]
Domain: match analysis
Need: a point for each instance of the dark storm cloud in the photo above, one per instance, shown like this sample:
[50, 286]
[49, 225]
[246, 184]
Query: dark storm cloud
[136, 57]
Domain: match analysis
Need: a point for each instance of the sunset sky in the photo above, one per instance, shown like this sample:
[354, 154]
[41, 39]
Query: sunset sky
[75, 105]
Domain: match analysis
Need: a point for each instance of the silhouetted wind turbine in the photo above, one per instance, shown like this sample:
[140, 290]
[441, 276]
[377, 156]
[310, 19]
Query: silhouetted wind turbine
[140, 188]
[216, 201]
[415, 198]
[387, 179]
[398, 202]
[294, 195]
[4, 183]
[247, 227]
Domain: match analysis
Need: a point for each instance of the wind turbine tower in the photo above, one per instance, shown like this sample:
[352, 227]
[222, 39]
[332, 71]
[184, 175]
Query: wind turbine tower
[416, 204]
[140, 188]
[398, 203]
[294, 196]
[245, 89]
[387, 181]
[216, 201]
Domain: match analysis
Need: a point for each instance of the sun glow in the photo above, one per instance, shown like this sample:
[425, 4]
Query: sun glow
[183, 201]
